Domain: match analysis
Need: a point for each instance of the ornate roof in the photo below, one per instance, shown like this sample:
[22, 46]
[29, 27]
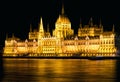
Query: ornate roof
[63, 19]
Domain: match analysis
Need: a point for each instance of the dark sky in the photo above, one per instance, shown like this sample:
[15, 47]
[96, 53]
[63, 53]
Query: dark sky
[16, 16]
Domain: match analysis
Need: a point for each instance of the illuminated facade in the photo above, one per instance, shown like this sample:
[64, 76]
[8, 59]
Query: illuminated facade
[91, 39]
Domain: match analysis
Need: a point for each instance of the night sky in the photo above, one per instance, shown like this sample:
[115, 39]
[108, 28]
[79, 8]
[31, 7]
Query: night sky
[16, 16]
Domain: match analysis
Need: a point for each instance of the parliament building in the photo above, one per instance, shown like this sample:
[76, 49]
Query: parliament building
[90, 40]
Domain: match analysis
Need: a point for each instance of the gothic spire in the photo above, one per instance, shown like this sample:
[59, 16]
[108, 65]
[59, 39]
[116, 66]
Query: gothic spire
[6, 36]
[91, 22]
[41, 25]
[13, 37]
[80, 23]
[100, 25]
[102, 29]
[113, 29]
[47, 27]
[41, 30]
[30, 28]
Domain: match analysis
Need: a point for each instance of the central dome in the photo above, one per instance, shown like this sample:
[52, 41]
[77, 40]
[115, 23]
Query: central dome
[63, 19]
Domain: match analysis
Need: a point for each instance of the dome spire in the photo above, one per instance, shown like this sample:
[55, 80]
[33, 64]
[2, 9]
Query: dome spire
[62, 9]
[113, 29]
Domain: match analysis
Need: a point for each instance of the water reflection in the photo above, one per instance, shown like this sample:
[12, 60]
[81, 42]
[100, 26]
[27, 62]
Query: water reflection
[59, 70]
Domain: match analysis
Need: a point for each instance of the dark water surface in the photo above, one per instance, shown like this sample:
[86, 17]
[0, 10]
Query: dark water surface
[59, 70]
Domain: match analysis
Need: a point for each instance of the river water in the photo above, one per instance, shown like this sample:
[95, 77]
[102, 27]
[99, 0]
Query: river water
[59, 70]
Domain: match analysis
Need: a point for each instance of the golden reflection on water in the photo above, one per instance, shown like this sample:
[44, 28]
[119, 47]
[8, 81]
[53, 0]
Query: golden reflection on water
[80, 69]
[65, 70]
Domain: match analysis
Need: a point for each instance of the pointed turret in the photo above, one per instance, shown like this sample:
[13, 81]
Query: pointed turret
[30, 28]
[113, 29]
[91, 22]
[102, 29]
[100, 25]
[80, 23]
[48, 32]
[41, 25]
[13, 37]
[6, 36]
[47, 27]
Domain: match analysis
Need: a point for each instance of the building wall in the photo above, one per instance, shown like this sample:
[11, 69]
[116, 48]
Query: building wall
[102, 44]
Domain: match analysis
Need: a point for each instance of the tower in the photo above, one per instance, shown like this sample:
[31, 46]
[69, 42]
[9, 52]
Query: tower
[40, 36]
[41, 30]
[62, 26]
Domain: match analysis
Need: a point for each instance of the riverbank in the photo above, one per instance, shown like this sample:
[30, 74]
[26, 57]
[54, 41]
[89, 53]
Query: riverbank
[63, 57]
